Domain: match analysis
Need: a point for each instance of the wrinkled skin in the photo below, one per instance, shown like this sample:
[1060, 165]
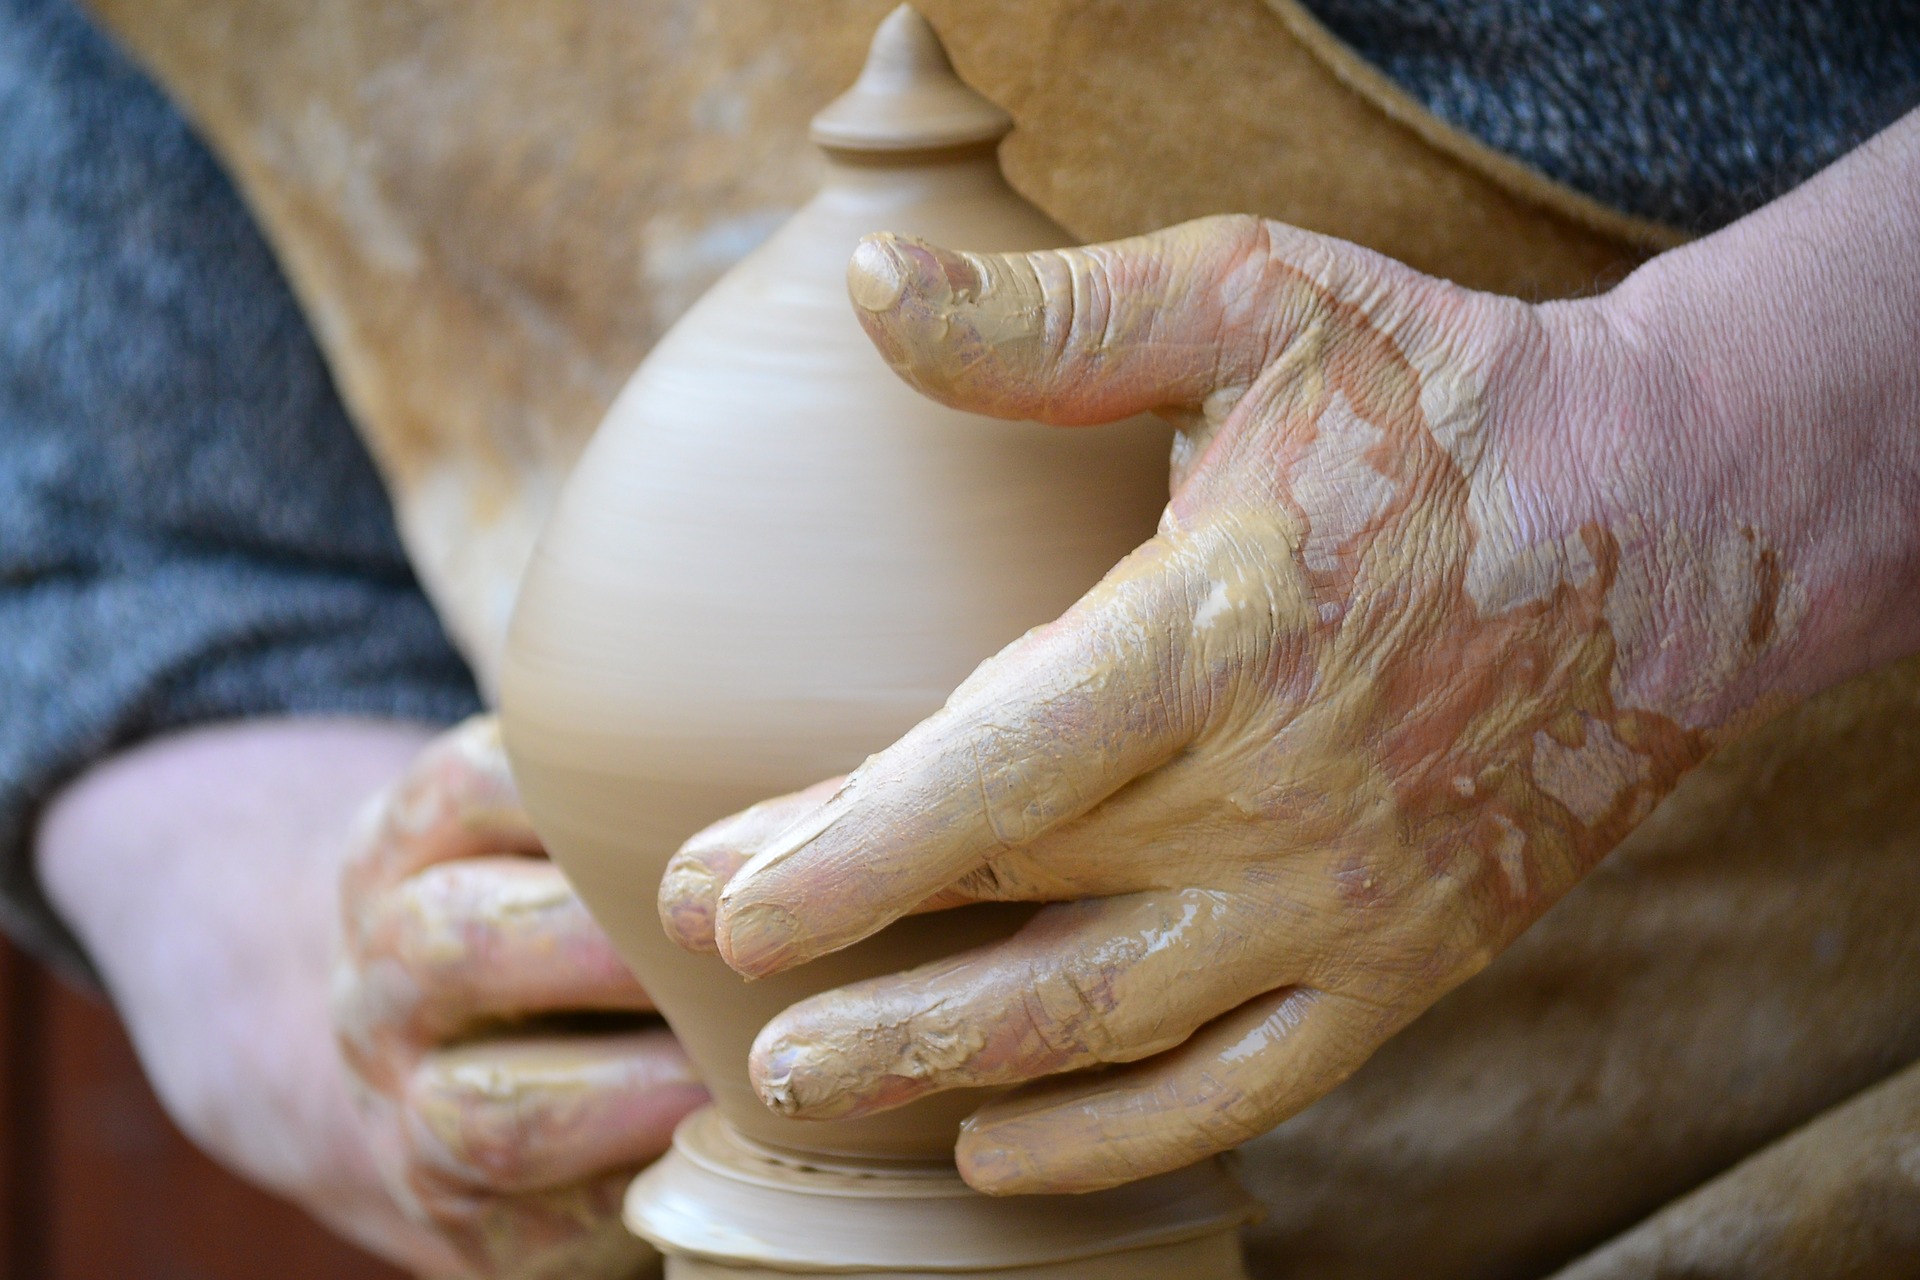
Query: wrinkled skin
[1398, 669]
[512, 1141]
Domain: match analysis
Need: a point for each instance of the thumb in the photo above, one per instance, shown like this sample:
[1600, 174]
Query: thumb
[1093, 334]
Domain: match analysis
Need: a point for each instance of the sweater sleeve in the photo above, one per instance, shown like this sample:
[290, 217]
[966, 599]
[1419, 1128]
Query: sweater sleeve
[190, 530]
[1688, 114]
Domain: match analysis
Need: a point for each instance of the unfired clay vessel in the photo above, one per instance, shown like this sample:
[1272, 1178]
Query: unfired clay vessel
[773, 559]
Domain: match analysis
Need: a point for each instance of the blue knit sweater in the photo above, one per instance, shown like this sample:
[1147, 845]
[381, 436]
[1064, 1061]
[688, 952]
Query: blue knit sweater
[190, 529]
[1688, 112]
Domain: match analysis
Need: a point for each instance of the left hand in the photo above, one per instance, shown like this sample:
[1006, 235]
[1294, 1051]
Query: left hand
[467, 964]
[1411, 652]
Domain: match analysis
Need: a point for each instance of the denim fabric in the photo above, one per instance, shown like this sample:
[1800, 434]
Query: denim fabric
[1688, 112]
[190, 529]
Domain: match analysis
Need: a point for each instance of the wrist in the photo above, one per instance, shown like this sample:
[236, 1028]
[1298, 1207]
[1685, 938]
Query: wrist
[200, 871]
[1806, 405]
[1765, 530]
[1676, 539]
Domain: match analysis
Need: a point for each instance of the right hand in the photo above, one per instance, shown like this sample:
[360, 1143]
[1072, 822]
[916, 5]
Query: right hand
[1404, 660]
[512, 1139]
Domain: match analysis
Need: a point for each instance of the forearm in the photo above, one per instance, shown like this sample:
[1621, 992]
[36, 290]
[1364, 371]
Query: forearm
[1753, 401]
[201, 872]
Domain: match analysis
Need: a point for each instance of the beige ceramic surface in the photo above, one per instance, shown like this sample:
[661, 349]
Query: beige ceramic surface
[772, 560]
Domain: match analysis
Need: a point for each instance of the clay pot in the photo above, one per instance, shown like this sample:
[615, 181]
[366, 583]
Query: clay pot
[772, 560]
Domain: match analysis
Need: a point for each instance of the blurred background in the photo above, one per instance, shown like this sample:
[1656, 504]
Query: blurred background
[94, 1179]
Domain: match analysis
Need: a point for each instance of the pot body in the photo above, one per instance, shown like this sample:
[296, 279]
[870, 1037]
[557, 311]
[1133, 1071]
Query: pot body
[772, 560]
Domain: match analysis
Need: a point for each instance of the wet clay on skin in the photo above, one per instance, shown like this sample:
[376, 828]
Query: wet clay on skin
[774, 559]
[494, 1129]
[1330, 740]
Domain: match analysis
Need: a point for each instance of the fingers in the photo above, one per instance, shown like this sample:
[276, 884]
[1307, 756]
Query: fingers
[1232, 1081]
[1086, 335]
[1083, 984]
[458, 800]
[511, 1118]
[1036, 736]
[1071, 861]
[516, 1153]
[485, 938]
[690, 888]
[1170, 829]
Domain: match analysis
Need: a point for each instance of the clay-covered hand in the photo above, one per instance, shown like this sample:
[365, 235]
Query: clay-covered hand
[1410, 652]
[467, 971]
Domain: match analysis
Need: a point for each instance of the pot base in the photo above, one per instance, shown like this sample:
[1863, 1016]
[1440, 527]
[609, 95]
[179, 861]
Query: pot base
[723, 1208]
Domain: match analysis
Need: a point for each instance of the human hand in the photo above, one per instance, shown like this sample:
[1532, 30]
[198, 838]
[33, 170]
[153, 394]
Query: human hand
[1416, 644]
[466, 966]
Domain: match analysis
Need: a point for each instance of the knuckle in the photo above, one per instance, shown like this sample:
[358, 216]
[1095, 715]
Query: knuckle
[430, 936]
[1004, 797]
[479, 736]
[1071, 1012]
[1081, 298]
[367, 834]
[480, 755]
[1220, 1113]
[1007, 769]
[376, 1014]
[346, 1000]
[473, 1125]
[460, 778]
[999, 879]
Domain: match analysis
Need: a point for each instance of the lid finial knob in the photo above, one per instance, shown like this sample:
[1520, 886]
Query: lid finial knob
[908, 98]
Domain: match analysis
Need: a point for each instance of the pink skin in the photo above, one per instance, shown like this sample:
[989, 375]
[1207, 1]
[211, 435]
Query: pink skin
[209, 874]
[1588, 542]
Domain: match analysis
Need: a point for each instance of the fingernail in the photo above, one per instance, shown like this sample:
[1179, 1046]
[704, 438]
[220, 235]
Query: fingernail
[877, 275]
[773, 1073]
[989, 1168]
[796, 1078]
[755, 938]
[687, 894]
